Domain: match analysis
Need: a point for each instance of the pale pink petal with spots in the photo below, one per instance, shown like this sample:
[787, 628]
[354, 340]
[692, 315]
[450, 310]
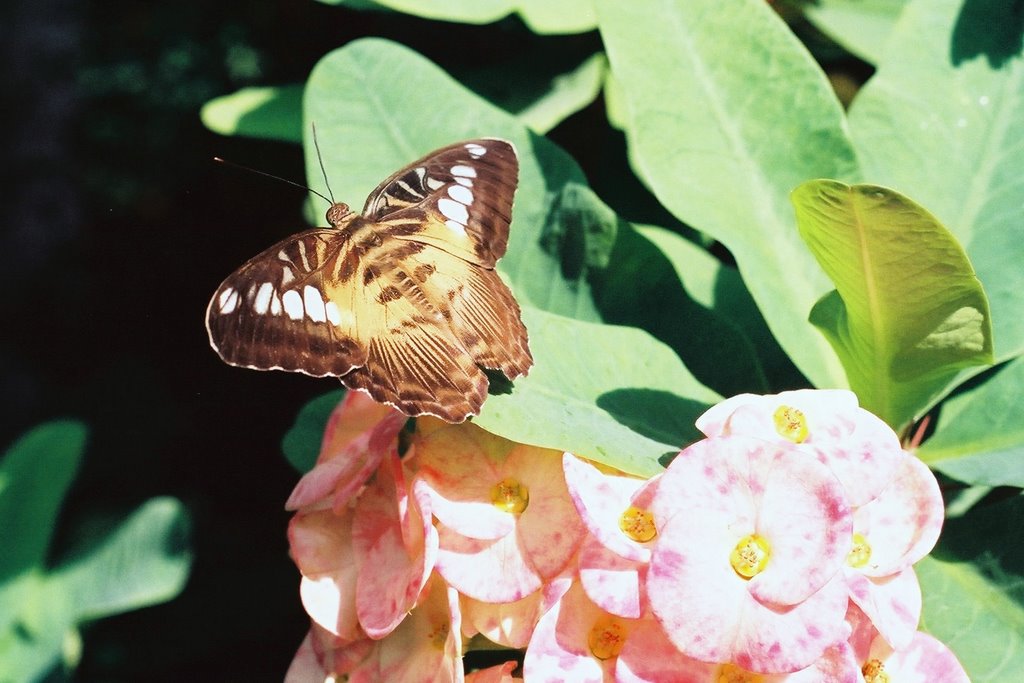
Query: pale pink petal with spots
[611, 581]
[924, 660]
[511, 624]
[600, 499]
[461, 465]
[710, 499]
[860, 448]
[804, 516]
[649, 657]
[902, 525]
[490, 571]
[892, 603]
[321, 547]
[425, 648]
[392, 570]
[343, 474]
[559, 649]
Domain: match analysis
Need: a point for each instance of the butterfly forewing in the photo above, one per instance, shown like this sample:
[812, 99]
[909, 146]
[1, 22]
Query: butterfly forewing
[468, 185]
[401, 302]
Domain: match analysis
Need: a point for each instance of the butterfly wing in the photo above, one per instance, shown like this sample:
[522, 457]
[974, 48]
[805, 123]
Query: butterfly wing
[401, 302]
[439, 319]
[468, 185]
[270, 314]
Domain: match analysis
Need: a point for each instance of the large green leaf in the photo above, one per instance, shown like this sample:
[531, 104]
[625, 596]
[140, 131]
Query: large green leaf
[973, 588]
[542, 16]
[721, 139]
[980, 435]
[566, 94]
[908, 311]
[861, 26]
[612, 394]
[144, 561]
[35, 474]
[274, 113]
[734, 329]
[942, 121]
[369, 124]
[639, 281]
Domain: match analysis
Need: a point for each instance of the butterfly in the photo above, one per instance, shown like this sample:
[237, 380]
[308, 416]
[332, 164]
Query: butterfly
[401, 301]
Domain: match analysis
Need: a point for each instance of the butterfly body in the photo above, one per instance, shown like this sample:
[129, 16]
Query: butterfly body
[401, 300]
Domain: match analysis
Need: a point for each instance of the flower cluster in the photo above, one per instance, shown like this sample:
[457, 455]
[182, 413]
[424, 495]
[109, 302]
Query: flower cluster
[778, 548]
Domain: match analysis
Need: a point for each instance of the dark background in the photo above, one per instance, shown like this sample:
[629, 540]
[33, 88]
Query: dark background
[117, 227]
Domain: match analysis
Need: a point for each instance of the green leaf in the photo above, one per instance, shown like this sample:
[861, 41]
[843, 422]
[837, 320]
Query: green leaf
[359, 105]
[274, 113]
[908, 311]
[980, 435]
[542, 16]
[718, 136]
[860, 26]
[542, 85]
[973, 588]
[568, 93]
[145, 561]
[612, 394]
[732, 349]
[627, 271]
[942, 121]
[35, 474]
[33, 645]
[301, 443]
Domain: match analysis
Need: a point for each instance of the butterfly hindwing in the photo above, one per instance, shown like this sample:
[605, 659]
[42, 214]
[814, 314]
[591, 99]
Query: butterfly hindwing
[403, 301]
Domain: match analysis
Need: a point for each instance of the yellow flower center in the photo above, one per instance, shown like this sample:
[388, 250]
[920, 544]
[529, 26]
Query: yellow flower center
[607, 637]
[638, 524]
[510, 495]
[791, 424]
[750, 556]
[438, 636]
[874, 672]
[860, 553]
[730, 673]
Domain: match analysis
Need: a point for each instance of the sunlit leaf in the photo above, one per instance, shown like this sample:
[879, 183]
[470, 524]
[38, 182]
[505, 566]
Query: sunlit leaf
[908, 311]
[718, 135]
[942, 121]
[980, 435]
[612, 394]
[973, 588]
[274, 113]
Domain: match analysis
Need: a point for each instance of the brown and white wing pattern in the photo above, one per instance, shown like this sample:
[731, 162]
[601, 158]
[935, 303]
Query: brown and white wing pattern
[401, 302]
[469, 186]
[271, 314]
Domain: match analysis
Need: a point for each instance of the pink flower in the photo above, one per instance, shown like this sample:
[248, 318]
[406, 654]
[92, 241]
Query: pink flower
[891, 533]
[358, 435]
[745, 569]
[613, 558]
[578, 641]
[425, 648]
[860, 448]
[364, 566]
[922, 660]
[504, 518]
[509, 624]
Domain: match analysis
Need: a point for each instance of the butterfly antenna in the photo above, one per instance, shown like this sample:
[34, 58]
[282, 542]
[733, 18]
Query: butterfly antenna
[320, 158]
[275, 177]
